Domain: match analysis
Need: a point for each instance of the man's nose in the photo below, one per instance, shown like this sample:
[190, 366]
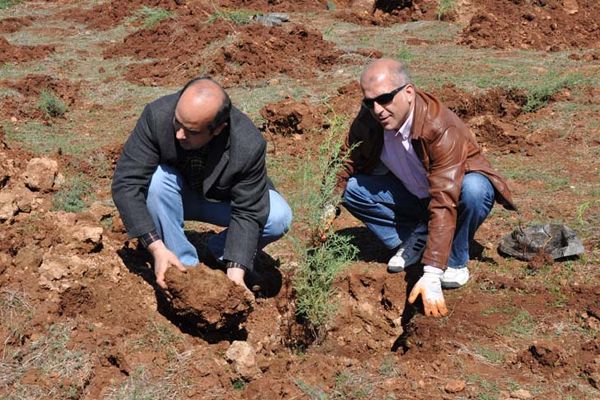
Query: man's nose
[377, 108]
[180, 134]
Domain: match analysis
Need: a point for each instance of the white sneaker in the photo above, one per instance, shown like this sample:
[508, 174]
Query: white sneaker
[409, 253]
[455, 277]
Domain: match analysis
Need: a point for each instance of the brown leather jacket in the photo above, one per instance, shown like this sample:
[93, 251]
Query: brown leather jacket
[448, 151]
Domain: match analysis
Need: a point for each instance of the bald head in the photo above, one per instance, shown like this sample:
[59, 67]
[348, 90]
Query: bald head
[384, 70]
[201, 103]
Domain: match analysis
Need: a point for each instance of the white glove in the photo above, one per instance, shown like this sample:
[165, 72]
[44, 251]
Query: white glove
[429, 286]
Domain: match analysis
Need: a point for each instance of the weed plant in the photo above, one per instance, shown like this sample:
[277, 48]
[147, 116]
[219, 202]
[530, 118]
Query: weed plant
[51, 105]
[72, 196]
[444, 8]
[152, 16]
[319, 264]
[538, 96]
[237, 17]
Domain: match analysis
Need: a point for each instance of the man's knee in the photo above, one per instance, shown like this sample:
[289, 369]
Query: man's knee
[476, 191]
[162, 183]
[280, 215]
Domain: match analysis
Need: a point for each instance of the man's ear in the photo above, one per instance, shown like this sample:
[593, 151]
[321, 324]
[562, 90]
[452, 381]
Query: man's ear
[219, 129]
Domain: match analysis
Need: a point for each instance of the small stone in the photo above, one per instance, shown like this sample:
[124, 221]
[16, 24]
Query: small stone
[455, 386]
[242, 356]
[40, 174]
[521, 394]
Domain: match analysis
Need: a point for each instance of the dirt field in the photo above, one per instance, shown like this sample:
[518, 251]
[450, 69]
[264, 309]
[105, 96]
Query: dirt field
[81, 316]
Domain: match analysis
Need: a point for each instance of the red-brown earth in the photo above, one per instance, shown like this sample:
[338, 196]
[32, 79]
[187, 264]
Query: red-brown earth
[82, 317]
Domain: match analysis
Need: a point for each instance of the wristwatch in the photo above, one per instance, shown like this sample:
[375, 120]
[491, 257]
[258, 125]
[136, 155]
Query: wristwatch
[233, 264]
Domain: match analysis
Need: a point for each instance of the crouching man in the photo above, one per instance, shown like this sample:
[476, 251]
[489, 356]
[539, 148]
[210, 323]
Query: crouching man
[418, 180]
[193, 156]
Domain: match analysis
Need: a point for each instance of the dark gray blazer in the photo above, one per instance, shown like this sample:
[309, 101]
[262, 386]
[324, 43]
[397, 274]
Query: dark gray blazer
[235, 173]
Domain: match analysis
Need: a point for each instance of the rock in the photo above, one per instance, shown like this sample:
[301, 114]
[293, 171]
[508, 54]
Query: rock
[8, 206]
[99, 211]
[243, 357]
[455, 386]
[24, 199]
[28, 257]
[571, 6]
[40, 174]
[521, 394]
[86, 238]
[58, 270]
[5, 260]
[366, 6]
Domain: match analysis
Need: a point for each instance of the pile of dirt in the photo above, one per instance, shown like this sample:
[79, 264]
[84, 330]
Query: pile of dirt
[290, 117]
[550, 25]
[386, 13]
[108, 15]
[346, 100]
[176, 46]
[276, 5]
[207, 300]
[259, 52]
[30, 88]
[14, 24]
[491, 115]
[10, 53]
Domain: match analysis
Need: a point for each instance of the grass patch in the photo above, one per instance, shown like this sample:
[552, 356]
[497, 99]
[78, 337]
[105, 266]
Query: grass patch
[491, 355]
[51, 105]
[522, 325]
[539, 95]
[237, 17]
[444, 8]
[72, 196]
[153, 15]
[8, 3]
[53, 358]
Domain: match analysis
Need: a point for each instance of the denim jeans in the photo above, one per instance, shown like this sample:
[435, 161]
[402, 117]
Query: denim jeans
[171, 201]
[392, 213]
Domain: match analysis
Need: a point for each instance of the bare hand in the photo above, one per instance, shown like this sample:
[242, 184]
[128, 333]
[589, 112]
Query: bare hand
[237, 276]
[429, 287]
[163, 260]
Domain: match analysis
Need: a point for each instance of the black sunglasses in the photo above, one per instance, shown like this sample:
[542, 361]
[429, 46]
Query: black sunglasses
[382, 99]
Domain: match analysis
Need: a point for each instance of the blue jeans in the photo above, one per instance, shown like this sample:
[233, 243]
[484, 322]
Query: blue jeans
[170, 201]
[392, 213]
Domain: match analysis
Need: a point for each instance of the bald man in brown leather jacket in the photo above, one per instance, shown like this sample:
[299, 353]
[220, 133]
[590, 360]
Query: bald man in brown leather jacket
[417, 178]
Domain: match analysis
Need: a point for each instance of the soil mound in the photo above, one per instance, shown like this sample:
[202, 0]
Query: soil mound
[291, 117]
[550, 25]
[207, 300]
[10, 53]
[385, 13]
[259, 52]
[107, 15]
[14, 24]
[30, 88]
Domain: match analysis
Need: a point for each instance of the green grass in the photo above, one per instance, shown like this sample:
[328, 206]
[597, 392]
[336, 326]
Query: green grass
[539, 95]
[51, 105]
[522, 325]
[153, 15]
[444, 8]
[8, 3]
[73, 196]
[491, 355]
[237, 17]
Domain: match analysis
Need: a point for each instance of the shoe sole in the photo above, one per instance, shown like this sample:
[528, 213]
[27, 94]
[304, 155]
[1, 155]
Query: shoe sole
[394, 270]
[453, 285]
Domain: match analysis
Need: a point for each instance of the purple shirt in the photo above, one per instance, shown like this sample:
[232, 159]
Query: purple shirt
[399, 156]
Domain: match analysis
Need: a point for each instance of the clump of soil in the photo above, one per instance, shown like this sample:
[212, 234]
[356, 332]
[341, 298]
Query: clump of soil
[542, 355]
[30, 88]
[550, 25]
[259, 52]
[14, 24]
[291, 117]
[10, 53]
[385, 13]
[207, 300]
[347, 99]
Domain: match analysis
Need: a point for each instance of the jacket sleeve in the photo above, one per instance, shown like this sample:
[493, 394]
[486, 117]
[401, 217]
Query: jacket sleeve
[249, 211]
[447, 153]
[138, 161]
